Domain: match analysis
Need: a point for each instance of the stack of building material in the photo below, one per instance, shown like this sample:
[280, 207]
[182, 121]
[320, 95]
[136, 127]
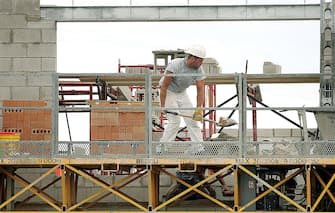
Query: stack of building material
[211, 66]
[32, 124]
[271, 68]
[9, 149]
[121, 121]
[137, 70]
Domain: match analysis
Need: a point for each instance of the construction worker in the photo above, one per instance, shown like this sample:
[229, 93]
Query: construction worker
[173, 95]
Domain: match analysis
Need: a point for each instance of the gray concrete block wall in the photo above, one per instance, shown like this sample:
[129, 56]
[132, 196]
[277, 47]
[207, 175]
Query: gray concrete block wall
[12, 21]
[26, 35]
[48, 64]
[5, 64]
[30, 8]
[48, 35]
[5, 36]
[26, 64]
[10, 50]
[4, 93]
[27, 49]
[11, 80]
[25, 93]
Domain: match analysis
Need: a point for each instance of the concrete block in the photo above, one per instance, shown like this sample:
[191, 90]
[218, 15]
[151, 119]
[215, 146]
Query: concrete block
[49, 64]
[4, 93]
[265, 133]
[85, 192]
[90, 13]
[12, 80]
[231, 132]
[41, 50]
[271, 68]
[5, 64]
[49, 35]
[26, 35]
[65, 14]
[139, 182]
[13, 50]
[139, 193]
[46, 93]
[42, 24]
[173, 13]
[282, 133]
[4, 36]
[250, 132]
[203, 13]
[54, 192]
[13, 21]
[48, 179]
[29, 175]
[26, 64]
[29, 7]
[146, 13]
[25, 93]
[25, 171]
[5, 6]
[165, 180]
[36, 79]
[82, 182]
[115, 13]
[297, 133]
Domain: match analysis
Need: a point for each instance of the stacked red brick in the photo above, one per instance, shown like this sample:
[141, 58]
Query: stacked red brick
[31, 124]
[125, 124]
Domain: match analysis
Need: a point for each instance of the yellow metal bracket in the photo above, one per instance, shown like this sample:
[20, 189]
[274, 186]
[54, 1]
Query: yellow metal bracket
[110, 167]
[187, 167]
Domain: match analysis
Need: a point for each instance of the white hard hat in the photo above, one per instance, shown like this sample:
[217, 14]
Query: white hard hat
[196, 50]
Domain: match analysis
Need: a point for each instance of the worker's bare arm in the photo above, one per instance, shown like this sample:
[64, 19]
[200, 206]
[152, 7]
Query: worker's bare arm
[163, 89]
[200, 92]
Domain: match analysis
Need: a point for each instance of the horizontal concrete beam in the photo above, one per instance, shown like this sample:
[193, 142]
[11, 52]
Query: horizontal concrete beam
[184, 13]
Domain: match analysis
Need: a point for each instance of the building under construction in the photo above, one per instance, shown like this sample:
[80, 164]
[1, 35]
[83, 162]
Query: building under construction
[123, 167]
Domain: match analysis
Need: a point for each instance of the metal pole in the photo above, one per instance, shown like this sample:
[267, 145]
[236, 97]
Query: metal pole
[148, 112]
[254, 117]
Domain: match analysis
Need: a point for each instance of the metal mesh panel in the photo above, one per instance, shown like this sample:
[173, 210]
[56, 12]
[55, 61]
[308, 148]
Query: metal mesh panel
[274, 148]
[25, 149]
[184, 149]
[26, 129]
[322, 148]
[110, 149]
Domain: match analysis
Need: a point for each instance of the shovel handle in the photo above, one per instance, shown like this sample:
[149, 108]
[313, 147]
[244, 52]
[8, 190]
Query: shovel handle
[173, 113]
[176, 113]
[220, 123]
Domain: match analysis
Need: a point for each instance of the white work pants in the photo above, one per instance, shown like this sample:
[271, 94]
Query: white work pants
[180, 100]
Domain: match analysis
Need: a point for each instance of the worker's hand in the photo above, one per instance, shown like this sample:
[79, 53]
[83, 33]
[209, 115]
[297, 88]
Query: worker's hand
[197, 115]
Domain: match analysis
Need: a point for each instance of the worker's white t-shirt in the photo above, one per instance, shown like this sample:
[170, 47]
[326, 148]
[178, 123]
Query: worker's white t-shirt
[181, 83]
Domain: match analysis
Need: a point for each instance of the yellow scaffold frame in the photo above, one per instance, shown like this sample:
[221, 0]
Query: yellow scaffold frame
[70, 173]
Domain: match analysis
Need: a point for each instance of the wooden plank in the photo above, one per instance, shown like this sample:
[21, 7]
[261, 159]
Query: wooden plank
[218, 79]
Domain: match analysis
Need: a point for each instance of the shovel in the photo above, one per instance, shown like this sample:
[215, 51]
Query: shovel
[223, 122]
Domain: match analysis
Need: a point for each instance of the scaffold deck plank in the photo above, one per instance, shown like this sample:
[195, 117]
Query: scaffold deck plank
[93, 162]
